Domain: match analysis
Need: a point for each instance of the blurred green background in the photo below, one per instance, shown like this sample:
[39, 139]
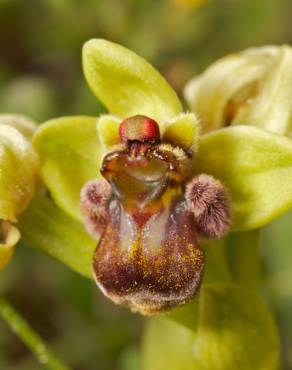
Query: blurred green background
[41, 76]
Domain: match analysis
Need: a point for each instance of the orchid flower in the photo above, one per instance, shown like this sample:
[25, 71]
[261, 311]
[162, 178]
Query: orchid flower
[135, 194]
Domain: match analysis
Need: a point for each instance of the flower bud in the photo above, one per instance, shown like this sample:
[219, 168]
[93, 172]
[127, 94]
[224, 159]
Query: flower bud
[253, 87]
[23, 124]
[18, 167]
[9, 236]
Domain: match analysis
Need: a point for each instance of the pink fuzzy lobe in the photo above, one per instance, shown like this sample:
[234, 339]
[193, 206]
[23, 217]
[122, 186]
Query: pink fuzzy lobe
[94, 198]
[208, 200]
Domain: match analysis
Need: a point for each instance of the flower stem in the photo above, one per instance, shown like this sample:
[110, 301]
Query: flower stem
[32, 340]
[243, 256]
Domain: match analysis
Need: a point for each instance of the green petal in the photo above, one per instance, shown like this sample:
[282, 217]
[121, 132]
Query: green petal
[183, 131]
[127, 84]
[69, 151]
[108, 130]
[46, 227]
[256, 167]
[235, 331]
[18, 168]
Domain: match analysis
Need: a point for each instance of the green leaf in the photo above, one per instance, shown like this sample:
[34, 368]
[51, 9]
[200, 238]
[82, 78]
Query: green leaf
[69, 151]
[235, 331]
[256, 167]
[126, 83]
[18, 168]
[46, 227]
[30, 338]
[167, 345]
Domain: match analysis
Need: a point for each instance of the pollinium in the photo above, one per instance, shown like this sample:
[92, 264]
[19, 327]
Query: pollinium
[149, 214]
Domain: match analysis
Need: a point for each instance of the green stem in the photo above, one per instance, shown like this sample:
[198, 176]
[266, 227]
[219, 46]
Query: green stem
[216, 268]
[243, 256]
[32, 340]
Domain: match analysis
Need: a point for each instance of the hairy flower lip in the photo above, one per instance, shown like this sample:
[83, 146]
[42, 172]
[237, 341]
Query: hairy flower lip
[153, 266]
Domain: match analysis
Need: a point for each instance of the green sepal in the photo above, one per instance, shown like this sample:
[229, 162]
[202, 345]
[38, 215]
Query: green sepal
[255, 166]
[70, 152]
[46, 227]
[126, 83]
[235, 331]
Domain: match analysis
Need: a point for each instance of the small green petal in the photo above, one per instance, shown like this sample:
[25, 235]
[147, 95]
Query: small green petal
[108, 130]
[69, 151]
[9, 237]
[23, 124]
[126, 83]
[183, 131]
[18, 168]
[46, 227]
[235, 331]
[255, 166]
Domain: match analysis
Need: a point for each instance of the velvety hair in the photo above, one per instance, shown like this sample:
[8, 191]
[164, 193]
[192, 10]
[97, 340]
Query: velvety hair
[208, 200]
[94, 198]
